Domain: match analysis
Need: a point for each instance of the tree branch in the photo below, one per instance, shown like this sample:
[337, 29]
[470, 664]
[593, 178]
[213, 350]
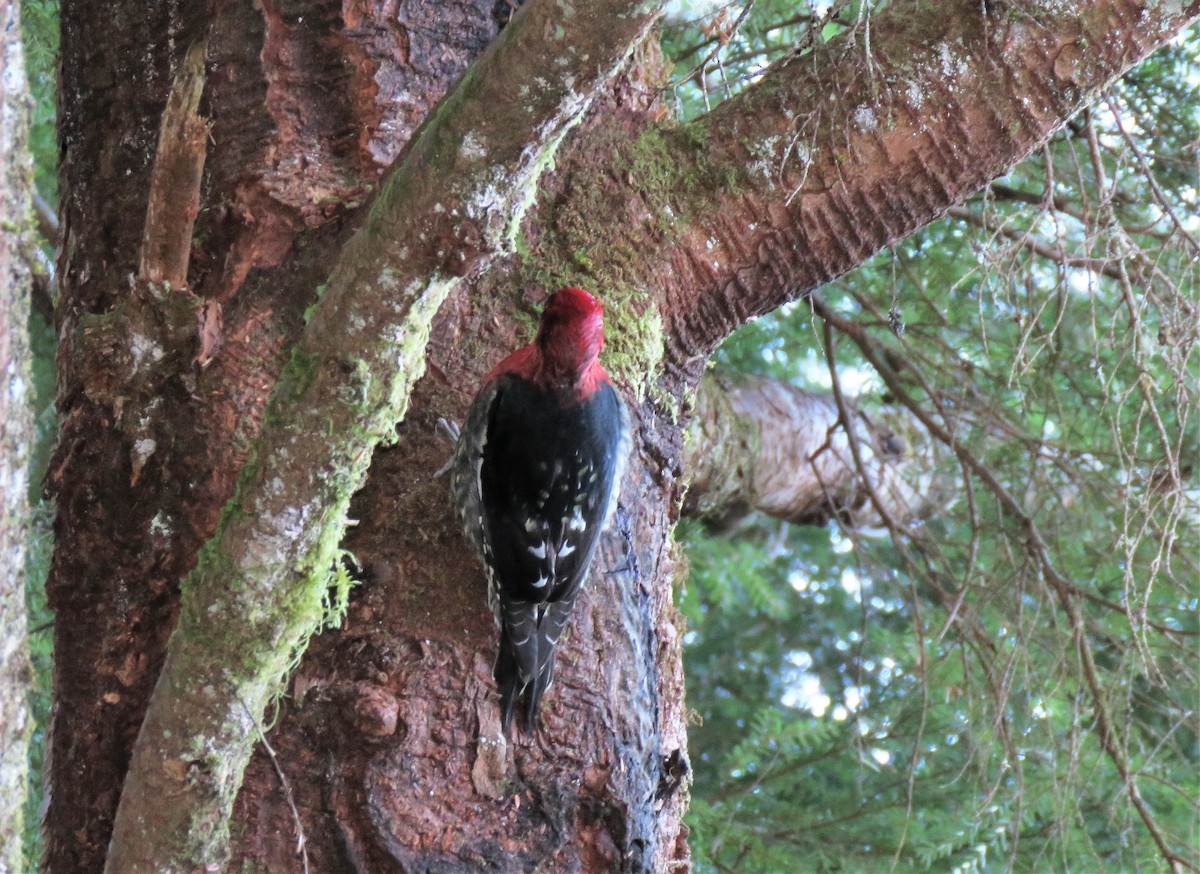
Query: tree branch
[760, 444]
[16, 440]
[1109, 735]
[260, 586]
[819, 165]
[1028, 241]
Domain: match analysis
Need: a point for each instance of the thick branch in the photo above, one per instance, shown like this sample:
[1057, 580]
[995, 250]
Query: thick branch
[834, 155]
[259, 587]
[760, 444]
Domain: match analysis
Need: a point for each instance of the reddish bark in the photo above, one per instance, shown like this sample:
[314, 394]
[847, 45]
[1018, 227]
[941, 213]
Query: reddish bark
[260, 251]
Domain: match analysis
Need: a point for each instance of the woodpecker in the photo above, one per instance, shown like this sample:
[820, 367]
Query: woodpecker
[535, 477]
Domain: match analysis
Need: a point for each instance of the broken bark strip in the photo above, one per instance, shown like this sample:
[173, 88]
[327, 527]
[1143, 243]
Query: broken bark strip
[113, 574]
[175, 180]
[761, 444]
[260, 586]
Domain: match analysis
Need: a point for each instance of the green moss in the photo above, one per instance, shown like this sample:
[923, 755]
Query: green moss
[521, 245]
[312, 307]
[635, 350]
[661, 171]
[299, 373]
[665, 162]
[582, 260]
[653, 164]
[695, 134]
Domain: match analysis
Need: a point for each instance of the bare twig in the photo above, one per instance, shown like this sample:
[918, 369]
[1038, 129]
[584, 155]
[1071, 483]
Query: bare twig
[301, 839]
[1148, 175]
[1108, 733]
[1028, 241]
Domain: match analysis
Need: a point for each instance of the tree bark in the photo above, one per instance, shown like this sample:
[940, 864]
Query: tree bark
[758, 444]
[387, 750]
[261, 586]
[16, 437]
[835, 154]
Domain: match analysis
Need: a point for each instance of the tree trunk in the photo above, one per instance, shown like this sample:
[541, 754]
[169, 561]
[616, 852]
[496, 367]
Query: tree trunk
[387, 754]
[16, 437]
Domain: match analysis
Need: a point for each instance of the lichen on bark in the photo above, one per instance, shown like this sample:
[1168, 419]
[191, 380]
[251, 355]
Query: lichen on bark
[16, 439]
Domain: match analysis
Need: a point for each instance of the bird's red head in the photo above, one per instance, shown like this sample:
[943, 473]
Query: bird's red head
[571, 334]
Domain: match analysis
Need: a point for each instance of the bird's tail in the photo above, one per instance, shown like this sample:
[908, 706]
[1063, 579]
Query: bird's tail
[507, 681]
[550, 629]
[517, 662]
[525, 663]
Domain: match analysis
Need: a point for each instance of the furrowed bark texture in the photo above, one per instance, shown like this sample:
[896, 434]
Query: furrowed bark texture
[139, 493]
[16, 438]
[260, 587]
[394, 716]
[388, 739]
[114, 573]
[387, 694]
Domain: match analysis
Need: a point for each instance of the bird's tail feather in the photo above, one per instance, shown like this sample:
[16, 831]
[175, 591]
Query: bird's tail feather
[518, 660]
[549, 630]
[508, 682]
[525, 663]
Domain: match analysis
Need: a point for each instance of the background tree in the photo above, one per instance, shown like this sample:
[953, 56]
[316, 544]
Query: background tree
[16, 438]
[176, 328]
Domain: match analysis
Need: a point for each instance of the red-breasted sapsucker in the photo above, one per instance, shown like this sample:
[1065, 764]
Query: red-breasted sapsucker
[535, 476]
